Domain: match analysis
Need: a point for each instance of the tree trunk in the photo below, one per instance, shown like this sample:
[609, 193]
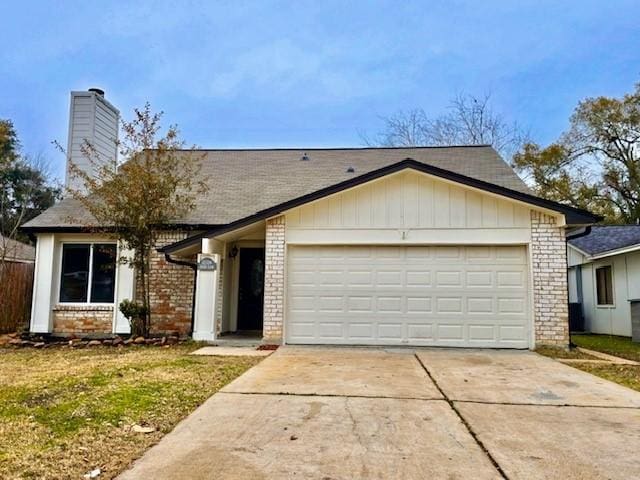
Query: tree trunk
[147, 324]
[141, 266]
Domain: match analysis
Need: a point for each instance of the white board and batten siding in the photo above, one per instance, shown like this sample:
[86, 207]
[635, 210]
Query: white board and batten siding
[409, 259]
[409, 207]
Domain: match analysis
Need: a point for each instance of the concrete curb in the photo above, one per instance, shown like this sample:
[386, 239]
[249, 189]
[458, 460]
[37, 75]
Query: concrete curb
[606, 357]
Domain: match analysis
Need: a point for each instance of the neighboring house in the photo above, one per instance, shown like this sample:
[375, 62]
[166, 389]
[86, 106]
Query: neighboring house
[370, 246]
[13, 251]
[604, 277]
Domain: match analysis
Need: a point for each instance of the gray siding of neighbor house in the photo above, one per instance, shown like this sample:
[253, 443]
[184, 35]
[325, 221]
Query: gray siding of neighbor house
[615, 319]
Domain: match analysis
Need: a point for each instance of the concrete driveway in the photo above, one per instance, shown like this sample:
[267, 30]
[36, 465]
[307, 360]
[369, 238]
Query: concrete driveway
[347, 413]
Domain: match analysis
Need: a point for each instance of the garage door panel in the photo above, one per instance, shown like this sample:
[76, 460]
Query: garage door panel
[389, 277]
[390, 331]
[450, 296]
[419, 331]
[418, 278]
[479, 279]
[446, 278]
[480, 305]
[361, 278]
[514, 278]
[418, 305]
[453, 331]
[481, 333]
[360, 330]
[511, 333]
[510, 305]
[448, 305]
[331, 330]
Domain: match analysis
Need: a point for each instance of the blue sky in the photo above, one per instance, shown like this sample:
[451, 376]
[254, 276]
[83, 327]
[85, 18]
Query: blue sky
[278, 74]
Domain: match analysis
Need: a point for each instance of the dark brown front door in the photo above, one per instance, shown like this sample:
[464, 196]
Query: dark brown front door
[251, 289]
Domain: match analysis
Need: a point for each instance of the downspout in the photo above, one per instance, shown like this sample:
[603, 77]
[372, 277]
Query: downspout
[584, 233]
[194, 267]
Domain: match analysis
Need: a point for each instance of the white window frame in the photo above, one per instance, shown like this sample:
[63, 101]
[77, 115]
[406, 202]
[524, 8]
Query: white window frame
[613, 290]
[88, 303]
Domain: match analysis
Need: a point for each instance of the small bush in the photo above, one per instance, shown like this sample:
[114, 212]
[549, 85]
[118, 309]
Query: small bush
[135, 313]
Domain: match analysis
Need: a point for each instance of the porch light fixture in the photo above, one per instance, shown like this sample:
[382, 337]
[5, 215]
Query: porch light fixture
[305, 157]
[234, 252]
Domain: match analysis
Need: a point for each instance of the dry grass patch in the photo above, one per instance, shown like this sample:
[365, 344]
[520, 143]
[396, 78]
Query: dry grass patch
[64, 412]
[564, 353]
[627, 375]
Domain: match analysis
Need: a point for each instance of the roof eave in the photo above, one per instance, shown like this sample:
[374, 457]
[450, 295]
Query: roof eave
[617, 251]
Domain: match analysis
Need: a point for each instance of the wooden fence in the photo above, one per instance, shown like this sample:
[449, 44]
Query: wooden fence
[16, 283]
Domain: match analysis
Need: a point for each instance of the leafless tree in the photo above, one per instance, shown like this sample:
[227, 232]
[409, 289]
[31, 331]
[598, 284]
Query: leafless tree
[470, 120]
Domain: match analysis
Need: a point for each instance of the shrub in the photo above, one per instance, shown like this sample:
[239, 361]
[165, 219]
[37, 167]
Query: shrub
[135, 313]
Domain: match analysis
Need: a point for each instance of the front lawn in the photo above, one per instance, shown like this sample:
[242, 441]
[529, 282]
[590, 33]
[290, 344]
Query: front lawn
[613, 345]
[627, 375]
[555, 352]
[66, 412]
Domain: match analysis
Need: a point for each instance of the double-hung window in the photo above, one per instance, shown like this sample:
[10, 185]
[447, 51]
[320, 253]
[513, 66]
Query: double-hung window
[88, 273]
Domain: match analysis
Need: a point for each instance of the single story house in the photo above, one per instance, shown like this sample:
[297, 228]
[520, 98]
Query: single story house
[604, 277]
[440, 246]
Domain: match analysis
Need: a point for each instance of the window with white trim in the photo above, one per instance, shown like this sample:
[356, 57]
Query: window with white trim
[604, 286]
[88, 273]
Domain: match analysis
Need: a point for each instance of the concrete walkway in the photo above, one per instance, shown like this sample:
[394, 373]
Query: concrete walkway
[346, 413]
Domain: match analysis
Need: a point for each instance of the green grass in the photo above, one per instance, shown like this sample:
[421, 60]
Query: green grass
[611, 344]
[64, 412]
[627, 375]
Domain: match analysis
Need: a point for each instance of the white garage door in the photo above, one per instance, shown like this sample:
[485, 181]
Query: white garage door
[393, 295]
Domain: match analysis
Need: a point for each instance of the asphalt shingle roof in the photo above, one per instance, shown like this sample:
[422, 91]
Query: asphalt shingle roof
[243, 182]
[13, 250]
[607, 238]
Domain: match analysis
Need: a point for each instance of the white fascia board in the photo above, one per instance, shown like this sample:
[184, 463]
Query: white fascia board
[619, 251]
[581, 252]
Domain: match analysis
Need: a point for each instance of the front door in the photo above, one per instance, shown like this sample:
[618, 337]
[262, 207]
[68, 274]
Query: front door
[251, 289]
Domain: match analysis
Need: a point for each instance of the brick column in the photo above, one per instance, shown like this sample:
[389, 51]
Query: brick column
[550, 292]
[274, 281]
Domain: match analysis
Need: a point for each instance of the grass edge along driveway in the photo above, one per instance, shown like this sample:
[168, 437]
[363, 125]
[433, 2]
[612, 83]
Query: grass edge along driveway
[66, 412]
[626, 375]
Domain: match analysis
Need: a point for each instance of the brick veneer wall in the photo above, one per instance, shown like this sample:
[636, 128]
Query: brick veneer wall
[171, 289]
[274, 281]
[550, 292]
[72, 319]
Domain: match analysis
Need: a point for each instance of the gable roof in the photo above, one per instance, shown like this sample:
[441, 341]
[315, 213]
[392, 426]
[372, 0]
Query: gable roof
[13, 250]
[243, 183]
[608, 238]
[573, 215]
